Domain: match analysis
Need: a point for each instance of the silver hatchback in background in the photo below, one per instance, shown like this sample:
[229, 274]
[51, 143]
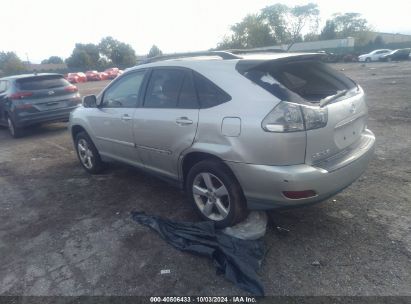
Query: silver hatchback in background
[237, 132]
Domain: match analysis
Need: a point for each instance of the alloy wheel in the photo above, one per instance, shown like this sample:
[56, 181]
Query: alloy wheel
[85, 153]
[211, 196]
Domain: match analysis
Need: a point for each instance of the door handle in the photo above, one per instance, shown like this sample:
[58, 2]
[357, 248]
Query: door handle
[125, 117]
[183, 121]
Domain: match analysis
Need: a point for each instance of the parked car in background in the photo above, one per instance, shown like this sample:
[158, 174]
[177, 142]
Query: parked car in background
[103, 75]
[35, 98]
[374, 55]
[93, 76]
[76, 77]
[243, 132]
[113, 72]
[82, 76]
[400, 54]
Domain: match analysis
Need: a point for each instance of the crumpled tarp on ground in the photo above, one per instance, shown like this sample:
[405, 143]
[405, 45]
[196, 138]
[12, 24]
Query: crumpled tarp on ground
[239, 260]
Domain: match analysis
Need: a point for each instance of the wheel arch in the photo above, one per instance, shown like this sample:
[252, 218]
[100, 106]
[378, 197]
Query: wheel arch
[76, 129]
[194, 157]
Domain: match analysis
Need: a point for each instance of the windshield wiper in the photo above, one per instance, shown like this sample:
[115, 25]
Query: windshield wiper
[331, 98]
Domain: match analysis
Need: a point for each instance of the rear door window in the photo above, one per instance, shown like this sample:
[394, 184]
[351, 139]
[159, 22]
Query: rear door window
[42, 83]
[164, 88]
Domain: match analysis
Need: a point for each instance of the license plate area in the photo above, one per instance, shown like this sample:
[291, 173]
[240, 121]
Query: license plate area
[348, 133]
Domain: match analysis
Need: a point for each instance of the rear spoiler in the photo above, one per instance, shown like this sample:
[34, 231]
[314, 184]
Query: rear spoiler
[248, 64]
[39, 76]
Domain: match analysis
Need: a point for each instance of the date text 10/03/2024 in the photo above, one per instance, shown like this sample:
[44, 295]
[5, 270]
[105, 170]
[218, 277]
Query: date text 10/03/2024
[233, 299]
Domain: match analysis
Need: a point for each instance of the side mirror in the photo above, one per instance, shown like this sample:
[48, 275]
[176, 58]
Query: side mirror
[90, 101]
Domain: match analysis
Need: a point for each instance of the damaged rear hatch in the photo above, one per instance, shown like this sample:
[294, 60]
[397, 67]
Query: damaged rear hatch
[326, 104]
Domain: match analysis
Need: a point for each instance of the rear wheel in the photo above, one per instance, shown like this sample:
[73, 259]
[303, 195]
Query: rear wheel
[216, 194]
[14, 131]
[87, 154]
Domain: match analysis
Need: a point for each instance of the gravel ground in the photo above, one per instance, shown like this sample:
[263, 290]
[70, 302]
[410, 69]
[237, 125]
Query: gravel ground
[65, 232]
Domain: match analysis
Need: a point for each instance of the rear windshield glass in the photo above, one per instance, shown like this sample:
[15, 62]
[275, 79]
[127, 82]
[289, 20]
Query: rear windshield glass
[310, 80]
[42, 82]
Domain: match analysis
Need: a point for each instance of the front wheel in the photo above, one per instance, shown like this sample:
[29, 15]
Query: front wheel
[88, 154]
[368, 59]
[216, 194]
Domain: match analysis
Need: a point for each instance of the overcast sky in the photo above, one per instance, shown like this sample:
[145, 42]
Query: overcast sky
[42, 28]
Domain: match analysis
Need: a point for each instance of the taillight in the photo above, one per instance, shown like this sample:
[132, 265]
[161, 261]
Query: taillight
[292, 117]
[20, 95]
[71, 88]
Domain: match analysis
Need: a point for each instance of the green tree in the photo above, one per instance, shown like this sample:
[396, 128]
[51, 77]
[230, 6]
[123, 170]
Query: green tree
[84, 56]
[311, 37]
[154, 51]
[251, 32]
[277, 23]
[53, 60]
[117, 53]
[276, 17]
[351, 25]
[10, 64]
[328, 31]
[300, 17]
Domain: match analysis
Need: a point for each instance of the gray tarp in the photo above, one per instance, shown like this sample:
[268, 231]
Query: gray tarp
[239, 260]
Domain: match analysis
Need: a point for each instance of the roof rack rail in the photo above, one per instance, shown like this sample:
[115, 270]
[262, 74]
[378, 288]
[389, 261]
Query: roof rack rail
[245, 51]
[223, 54]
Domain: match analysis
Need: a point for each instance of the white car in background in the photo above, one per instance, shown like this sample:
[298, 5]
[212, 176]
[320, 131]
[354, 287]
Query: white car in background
[374, 55]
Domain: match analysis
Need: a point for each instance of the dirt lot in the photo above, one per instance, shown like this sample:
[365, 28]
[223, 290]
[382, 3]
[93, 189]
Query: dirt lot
[64, 232]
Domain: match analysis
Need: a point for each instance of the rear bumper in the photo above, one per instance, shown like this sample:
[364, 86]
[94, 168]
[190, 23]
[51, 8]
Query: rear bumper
[263, 185]
[27, 119]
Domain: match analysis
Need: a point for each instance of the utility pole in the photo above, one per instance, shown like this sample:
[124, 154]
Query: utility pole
[28, 62]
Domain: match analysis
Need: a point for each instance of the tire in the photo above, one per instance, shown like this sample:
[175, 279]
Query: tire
[368, 59]
[87, 154]
[15, 132]
[216, 194]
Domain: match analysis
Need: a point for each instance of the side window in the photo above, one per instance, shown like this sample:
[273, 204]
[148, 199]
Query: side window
[124, 93]
[164, 88]
[209, 94]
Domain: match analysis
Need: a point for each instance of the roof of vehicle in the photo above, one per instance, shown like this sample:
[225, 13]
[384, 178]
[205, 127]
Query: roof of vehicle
[29, 75]
[218, 60]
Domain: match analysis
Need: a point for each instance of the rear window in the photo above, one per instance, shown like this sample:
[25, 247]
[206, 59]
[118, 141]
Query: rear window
[42, 82]
[311, 80]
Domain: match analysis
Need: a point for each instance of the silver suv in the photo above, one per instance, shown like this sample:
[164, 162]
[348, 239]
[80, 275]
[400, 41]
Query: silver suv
[237, 132]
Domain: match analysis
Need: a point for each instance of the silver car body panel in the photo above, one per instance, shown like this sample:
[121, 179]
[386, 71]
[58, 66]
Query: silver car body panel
[265, 163]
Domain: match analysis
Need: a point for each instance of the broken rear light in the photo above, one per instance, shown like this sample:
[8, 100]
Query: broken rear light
[293, 117]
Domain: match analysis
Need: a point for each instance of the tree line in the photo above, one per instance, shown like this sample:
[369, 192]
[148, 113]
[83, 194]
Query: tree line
[282, 24]
[273, 25]
[85, 56]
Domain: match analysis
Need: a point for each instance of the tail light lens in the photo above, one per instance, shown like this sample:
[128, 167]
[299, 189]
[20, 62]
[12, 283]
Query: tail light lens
[71, 88]
[292, 117]
[20, 95]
